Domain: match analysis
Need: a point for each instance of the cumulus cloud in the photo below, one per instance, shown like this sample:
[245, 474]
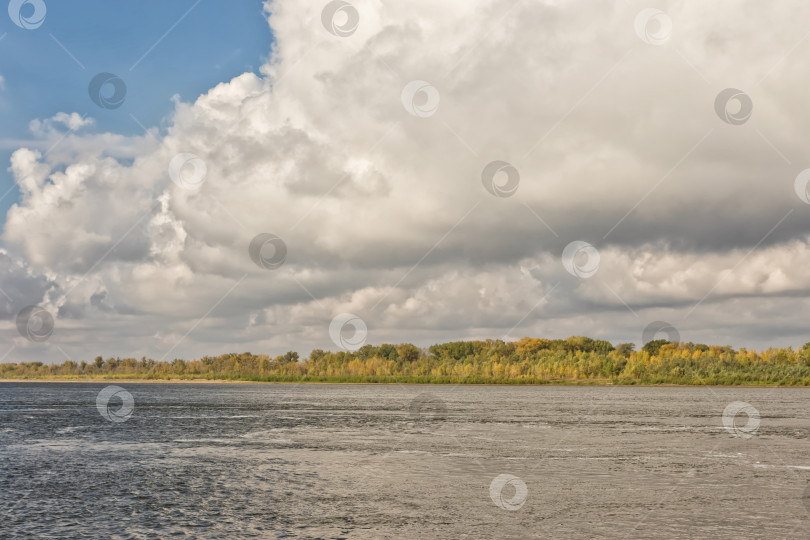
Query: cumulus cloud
[379, 198]
[72, 122]
[20, 286]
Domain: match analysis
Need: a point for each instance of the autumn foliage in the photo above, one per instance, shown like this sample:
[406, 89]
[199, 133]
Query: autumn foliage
[527, 361]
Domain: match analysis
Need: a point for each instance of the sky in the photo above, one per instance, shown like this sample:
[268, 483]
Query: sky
[193, 178]
[47, 70]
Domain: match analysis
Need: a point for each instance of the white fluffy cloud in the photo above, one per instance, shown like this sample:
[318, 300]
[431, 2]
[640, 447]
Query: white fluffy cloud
[73, 122]
[384, 214]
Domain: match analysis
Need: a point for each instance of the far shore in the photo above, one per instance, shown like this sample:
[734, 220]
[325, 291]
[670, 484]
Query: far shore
[145, 381]
[580, 382]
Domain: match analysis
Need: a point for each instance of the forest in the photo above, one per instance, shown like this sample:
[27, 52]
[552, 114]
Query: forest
[575, 360]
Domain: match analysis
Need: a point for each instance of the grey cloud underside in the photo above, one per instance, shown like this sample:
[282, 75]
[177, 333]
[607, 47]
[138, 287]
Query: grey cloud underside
[20, 286]
[384, 214]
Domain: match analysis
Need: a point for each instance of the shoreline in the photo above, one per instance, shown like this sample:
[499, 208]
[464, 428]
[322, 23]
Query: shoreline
[584, 382]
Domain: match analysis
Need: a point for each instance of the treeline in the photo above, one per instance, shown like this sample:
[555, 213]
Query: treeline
[528, 361]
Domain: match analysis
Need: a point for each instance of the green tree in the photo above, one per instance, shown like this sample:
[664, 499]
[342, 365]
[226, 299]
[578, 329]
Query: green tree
[290, 357]
[654, 346]
[624, 349]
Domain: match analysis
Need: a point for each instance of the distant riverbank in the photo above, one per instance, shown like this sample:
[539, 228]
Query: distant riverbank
[577, 360]
[595, 382]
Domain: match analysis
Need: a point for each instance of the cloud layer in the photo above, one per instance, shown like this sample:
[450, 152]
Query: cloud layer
[364, 153]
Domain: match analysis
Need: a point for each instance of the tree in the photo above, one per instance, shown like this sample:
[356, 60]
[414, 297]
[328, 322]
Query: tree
[624, 349]
[654, 346]
[602, 346]
[289, 357]
[388, 351]
[366, 351]
[179, 366]
[528, 346]
[408, 352]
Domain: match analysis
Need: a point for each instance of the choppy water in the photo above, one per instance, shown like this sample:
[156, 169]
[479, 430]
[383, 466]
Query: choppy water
[350, 461]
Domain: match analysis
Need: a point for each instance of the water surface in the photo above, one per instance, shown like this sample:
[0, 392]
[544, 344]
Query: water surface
[357, 461]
